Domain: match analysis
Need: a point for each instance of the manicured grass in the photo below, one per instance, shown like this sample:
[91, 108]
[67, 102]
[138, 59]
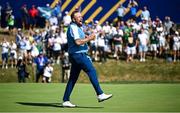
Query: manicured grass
[33, 97]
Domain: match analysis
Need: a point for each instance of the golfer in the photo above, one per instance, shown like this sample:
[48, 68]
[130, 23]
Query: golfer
[79, 59]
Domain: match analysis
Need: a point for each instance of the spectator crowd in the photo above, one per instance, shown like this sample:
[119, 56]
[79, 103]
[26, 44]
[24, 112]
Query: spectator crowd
[121, 40]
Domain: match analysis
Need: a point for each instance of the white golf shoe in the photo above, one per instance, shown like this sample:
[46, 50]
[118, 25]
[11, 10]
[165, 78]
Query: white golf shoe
[68, 104]
[103, 97]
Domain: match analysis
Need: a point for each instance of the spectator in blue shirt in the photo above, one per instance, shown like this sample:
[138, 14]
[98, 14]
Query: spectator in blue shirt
[133, 8]
[57, 11]
[40, 61]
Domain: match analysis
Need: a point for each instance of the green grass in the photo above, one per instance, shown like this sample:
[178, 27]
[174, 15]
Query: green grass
[157, 71]
[32, 97]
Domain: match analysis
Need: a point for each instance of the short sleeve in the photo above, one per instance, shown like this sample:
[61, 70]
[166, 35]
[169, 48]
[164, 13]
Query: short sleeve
[74, 32]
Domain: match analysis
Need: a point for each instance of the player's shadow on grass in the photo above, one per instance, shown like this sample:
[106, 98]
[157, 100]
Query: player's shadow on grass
[59, 105]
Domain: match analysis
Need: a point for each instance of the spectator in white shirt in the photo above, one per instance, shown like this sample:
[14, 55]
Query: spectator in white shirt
[145, 15]
[143, 41]
[50, 46]
[97, 26]
[145, 25]
[34, 50]
[57, 48]
[167, 24]
[63, 37]
[48, 70]
[4, 52]
[106, 28]
[22, 47]
[176, 45]
[54, 27]
[28, 50]
[13, 54]
[53, 20]
[162, 42]
[66, 19]
[101, 47]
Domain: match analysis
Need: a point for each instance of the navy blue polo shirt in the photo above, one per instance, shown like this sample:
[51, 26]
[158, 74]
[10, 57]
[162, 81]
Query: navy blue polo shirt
[40, 62]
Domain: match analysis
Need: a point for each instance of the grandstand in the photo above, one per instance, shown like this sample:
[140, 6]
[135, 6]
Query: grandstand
[103, 10]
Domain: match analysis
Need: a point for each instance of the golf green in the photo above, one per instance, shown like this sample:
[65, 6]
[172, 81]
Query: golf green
[32, 97]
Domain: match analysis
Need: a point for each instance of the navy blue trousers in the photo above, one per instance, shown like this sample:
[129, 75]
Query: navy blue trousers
[80, 61]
